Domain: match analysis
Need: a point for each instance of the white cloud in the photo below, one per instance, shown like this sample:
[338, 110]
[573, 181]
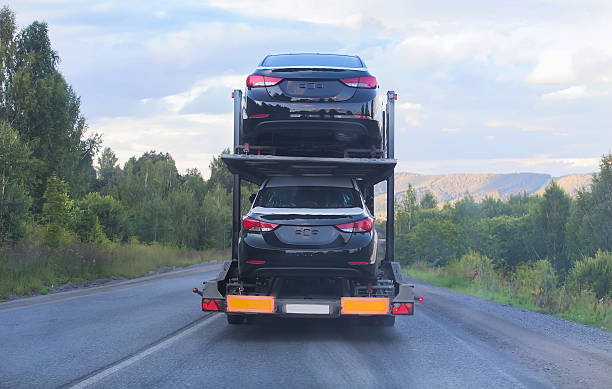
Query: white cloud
[556, 166]
[555, 66]
[191, 139]
[571, 93]
[497, 124]
[451, 130]
[177, 102]
[411, 112]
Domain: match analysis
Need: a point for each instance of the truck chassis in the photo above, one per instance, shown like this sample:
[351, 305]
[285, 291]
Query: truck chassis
[382, 300]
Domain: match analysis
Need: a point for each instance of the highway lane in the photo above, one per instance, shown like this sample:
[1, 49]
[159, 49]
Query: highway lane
[50, 344]
[153, 335]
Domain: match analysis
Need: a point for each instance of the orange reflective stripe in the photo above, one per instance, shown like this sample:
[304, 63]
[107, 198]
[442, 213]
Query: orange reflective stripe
[255, 304]
[364, 305]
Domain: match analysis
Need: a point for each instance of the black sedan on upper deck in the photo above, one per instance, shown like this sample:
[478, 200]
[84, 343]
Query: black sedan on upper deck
[312, 105]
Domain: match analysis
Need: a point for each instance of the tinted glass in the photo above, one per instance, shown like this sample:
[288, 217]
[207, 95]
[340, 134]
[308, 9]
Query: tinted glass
[308, 197]
[345, 61]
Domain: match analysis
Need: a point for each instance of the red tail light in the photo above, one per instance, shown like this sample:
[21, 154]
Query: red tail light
[346, 227]
[403, 309]
[212, 304]
[368, 82]
[253, 225]
[258, 81]
[363, 225]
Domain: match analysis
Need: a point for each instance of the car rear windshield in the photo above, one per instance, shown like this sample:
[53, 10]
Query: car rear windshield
[308, 197]
[288, 60]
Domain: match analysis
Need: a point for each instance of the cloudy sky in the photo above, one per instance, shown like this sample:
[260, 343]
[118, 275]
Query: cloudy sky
[484, 86]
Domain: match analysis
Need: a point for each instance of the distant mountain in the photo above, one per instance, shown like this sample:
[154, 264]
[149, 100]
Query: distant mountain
[452, 187]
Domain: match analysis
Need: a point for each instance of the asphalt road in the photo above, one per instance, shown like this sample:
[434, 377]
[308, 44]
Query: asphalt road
[151, 333]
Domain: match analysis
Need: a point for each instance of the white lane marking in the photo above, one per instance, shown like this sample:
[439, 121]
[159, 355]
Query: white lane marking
[143, 354]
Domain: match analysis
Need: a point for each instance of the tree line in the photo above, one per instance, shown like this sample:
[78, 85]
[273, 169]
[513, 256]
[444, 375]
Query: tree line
[49, 182]
[553, 227]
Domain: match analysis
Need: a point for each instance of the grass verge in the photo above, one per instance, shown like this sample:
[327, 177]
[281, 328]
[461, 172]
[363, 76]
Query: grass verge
[37, 269]
[527, 289]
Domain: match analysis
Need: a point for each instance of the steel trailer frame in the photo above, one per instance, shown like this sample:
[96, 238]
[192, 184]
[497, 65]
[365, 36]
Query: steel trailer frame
[255, 168]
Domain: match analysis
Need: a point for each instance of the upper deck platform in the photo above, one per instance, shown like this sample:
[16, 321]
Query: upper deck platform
[256, 168]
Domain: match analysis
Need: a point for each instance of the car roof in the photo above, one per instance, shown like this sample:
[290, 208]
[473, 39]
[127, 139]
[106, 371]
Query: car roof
[335, 182]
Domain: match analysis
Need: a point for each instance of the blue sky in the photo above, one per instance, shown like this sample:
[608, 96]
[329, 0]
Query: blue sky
[484, 86]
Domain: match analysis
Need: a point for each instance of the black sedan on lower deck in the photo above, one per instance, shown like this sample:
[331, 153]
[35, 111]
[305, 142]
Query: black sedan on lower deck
[305, 226]
[312, 104]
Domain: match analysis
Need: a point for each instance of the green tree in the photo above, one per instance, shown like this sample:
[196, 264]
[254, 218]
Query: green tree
[406, 211]
[45, 111]
[57, 211]
[428, 201]
[589, 228]
[593, 273]
[553, 214]
[106, 211]
[14, 203]
[220, 174]
[436, 241]
[184, 213]
[7, 53]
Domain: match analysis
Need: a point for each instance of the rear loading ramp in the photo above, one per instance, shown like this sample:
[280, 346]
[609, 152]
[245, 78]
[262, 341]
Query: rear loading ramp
[257, 168]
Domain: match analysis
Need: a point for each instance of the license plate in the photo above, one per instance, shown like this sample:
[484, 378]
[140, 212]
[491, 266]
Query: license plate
[308, 309]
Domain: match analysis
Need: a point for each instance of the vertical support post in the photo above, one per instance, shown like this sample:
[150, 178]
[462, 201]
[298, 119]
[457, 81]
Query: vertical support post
[390, 241]
[237, 95]
[235, 216]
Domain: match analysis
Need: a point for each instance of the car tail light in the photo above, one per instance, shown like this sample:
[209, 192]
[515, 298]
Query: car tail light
[253, 225]
[258, 81]
[363, 225]
[360, 82]
[346, 227]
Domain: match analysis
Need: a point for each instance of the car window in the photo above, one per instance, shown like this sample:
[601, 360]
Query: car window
[308, 197]
[346, 61]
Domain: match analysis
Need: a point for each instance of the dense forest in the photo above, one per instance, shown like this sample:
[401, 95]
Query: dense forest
[64, 218]
[551, 253]
[48, 174]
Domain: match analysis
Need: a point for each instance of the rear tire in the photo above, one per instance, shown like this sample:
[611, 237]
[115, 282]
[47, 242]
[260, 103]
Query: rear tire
[235, 319]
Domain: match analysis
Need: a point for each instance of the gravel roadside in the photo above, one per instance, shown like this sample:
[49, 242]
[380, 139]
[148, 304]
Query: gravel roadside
[569, 354]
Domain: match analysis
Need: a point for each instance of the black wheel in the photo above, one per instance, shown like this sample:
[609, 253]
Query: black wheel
[235, 319]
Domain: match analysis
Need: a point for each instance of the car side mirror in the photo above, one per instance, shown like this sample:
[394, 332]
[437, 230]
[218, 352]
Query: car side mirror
[252, 197]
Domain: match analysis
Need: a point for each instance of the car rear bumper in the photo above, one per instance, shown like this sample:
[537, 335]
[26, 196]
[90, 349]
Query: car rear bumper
[358, 264]
[318, 134]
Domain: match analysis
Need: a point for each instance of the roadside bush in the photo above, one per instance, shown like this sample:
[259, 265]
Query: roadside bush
[474, 267]
[593, 274]
[534, 282]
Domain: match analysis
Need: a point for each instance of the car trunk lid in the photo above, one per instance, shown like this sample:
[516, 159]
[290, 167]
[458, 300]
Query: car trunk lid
[311, 84]
[302, 227]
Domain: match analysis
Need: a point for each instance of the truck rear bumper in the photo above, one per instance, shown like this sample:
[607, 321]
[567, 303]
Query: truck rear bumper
[333, 307]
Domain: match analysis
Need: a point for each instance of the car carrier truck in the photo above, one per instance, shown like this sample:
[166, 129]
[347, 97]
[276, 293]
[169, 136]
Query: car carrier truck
[380, 299]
